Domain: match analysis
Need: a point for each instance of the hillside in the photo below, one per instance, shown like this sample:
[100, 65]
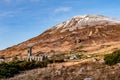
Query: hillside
[72, 70]
[91, 32]
[76, 50]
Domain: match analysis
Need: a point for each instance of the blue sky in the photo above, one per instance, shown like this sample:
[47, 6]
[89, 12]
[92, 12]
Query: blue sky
[21, 20]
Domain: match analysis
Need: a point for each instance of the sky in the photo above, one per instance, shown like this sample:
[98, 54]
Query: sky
[21, 20]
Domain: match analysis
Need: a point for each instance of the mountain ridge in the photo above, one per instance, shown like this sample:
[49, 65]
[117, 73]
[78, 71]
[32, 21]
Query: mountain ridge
[78, 31]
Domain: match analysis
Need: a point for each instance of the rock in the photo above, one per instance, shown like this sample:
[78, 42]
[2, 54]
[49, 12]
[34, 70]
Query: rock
[65, 60]
[102, 61]
[95, 59]
[89, 56]
[47, 75]
[82, 69]
[58, 72]
[118, 64]
[73, 57]
[89, 79]
[2, 59]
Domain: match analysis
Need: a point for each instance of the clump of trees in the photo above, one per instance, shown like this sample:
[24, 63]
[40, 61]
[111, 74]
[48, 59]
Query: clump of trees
[113, 58]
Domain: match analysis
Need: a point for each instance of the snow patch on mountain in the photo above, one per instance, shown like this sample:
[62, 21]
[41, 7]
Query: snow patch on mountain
[79, 22]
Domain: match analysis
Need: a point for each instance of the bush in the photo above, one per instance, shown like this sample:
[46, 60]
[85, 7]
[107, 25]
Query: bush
[27, 65]
[113, 58]
[54, 61]
[49, 61]
[59, 60]
[24, 65]
[14, 67]
[8, 70]
[41, 64]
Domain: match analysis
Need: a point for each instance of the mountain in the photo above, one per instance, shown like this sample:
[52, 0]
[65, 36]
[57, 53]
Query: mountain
[85, 31]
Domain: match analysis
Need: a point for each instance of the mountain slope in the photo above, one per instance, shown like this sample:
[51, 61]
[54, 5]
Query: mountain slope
[86, 30]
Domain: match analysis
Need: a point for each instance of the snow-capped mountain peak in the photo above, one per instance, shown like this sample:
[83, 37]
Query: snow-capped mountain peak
[85, 21]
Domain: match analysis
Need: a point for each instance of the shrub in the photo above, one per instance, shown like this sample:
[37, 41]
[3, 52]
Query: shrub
[50, 61]
[8, 70]
[41, 64]
[59, 60]
[113, 58]
[14, 67]
[26, 65]
[79, 56]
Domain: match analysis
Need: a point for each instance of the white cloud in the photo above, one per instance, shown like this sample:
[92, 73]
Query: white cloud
[62, 9]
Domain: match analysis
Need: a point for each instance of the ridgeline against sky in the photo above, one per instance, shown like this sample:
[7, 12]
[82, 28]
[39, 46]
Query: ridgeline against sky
[23, 19]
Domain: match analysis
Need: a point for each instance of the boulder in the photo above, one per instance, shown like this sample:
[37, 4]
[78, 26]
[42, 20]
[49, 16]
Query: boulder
[73, 57]
[89, 79]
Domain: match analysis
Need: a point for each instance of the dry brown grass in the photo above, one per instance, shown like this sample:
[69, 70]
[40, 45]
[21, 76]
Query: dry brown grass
[78, 71]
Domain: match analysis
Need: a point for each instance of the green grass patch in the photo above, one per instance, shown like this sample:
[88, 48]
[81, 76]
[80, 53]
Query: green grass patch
[113, 58]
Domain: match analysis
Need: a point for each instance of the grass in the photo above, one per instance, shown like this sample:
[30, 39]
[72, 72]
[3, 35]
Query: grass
[94, 70]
